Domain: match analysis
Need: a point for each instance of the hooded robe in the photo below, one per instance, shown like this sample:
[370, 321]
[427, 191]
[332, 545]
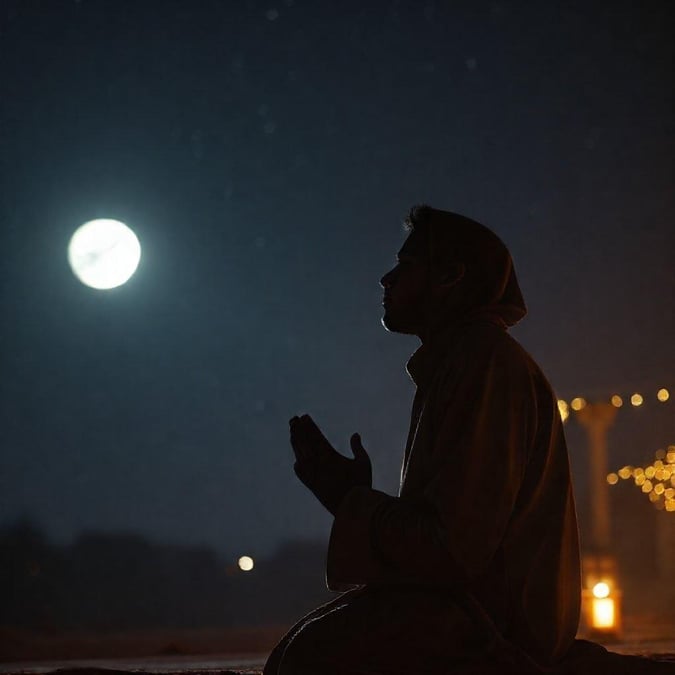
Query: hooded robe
[481, 542]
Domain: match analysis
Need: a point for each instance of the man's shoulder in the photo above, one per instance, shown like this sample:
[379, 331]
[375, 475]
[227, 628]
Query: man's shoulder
[489, 339]
[484, 344]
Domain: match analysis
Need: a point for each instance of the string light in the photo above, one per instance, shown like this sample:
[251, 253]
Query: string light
[578, 403]
[657, 480]
[617, 400]
[636, 399]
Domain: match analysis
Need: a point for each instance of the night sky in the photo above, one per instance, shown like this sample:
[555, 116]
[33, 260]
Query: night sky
[265, 153]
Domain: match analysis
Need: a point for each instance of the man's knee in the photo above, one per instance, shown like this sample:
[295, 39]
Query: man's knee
[298, 654]
[317, 648]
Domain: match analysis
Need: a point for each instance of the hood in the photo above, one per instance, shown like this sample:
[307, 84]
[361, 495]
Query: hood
[490, 287]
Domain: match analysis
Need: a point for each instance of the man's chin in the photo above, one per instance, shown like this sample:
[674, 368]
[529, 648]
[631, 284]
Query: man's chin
[395, 325]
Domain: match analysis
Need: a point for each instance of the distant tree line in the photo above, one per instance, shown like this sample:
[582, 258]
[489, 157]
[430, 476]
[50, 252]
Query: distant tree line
[106, 581]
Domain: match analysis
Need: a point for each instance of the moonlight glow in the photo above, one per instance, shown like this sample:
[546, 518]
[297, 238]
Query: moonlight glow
[104, 253]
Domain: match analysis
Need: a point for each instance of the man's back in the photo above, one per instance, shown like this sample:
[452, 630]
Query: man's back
[486, 503]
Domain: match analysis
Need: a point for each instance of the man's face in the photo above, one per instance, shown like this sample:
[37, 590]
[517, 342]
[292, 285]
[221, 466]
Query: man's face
[407, 289]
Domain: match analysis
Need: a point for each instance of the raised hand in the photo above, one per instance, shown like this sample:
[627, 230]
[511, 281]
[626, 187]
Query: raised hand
[327, 473]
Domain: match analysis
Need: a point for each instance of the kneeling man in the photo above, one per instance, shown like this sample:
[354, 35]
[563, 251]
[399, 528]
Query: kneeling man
[476, 562]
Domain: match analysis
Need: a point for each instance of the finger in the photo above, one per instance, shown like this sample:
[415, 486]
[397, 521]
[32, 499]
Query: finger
[301, 447]
[304, 425]
[304, 472]
[302, 452]
[358, 450]
[315, 435]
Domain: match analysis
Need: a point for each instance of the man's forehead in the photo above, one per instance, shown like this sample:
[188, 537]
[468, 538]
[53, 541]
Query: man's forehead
[413, 247]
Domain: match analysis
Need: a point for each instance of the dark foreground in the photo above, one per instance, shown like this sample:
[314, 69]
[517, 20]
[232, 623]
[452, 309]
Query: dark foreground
[656, 663]
[243, 652]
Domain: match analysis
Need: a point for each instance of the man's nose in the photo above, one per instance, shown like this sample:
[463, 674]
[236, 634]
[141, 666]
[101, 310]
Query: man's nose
[385, 281]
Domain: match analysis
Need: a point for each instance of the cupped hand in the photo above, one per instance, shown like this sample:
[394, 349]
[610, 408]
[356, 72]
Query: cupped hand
[327, 473]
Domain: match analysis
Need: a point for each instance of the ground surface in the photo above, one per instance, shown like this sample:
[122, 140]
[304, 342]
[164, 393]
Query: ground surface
[653, 640]
[250, 664]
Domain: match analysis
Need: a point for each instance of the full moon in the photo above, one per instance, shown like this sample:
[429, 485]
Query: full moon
[104, 253]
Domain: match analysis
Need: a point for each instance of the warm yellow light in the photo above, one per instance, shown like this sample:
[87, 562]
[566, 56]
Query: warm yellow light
[659, 489]
[601, 589]
[578, 403]
[669, 493]
[670, 457]
[564, 410]
[647, 486]
[663, 395]
[612, 478]
[639, 479]
[245, 563]
[670, 505]
[660, 474]
[625, 472]
[617, 401]
[603, 613]
[650, 471]
[638, 471]
[636, 400]
[653, 497]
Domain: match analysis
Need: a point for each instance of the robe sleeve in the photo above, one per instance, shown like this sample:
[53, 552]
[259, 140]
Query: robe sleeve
[483, 425]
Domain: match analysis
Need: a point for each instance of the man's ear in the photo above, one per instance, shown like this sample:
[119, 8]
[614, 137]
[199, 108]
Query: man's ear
[451, 276]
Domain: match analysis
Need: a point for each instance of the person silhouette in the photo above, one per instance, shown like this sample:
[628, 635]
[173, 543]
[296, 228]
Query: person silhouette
[475, 563]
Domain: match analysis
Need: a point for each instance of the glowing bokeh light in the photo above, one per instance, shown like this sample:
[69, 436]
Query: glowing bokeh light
[612, 478]
[636, 399]
[617, 401]
[603, 613]
[601, 589]
[245, 563]
[663, 395]
[578, 403]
